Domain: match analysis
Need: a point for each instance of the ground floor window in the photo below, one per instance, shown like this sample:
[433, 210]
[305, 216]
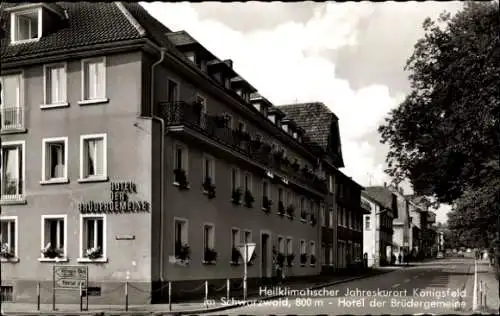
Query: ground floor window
[93, 237]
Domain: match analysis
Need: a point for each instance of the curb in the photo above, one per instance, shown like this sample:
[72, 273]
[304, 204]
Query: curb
[189, 312]
[268, 298]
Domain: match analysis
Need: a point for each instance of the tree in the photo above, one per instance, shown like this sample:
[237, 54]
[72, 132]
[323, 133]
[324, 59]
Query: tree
[445, 135]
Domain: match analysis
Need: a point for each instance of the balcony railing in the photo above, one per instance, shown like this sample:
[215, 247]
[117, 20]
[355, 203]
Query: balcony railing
[12, 118]
[216, 127]
[12, 190]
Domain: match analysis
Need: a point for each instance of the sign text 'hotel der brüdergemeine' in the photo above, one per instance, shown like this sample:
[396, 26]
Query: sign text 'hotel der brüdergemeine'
[119, 202]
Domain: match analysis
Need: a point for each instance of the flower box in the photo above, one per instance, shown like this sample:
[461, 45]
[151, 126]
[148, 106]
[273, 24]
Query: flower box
[181, 179]
[249, 199]
[210, 256]
[209, 188]
[236, 196]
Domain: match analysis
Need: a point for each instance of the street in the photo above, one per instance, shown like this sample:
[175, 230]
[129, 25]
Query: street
[435, 287]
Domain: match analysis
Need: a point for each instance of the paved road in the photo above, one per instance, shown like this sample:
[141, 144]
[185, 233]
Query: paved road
[438, 287]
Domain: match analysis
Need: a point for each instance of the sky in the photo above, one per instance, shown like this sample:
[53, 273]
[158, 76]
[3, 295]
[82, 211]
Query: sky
[350, 56]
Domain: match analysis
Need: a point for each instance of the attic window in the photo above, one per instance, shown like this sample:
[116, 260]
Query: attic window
[285, 127]
[257, 106]
[295, 135]
[191, 56]
[26, 26]
[272, 118]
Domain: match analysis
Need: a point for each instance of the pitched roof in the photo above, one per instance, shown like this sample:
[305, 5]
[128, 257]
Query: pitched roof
[380, 194]
[317, 121]
[89, 23]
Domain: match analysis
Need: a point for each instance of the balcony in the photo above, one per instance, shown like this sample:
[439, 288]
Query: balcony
[181, 115]
[12, 119]
[12, 191]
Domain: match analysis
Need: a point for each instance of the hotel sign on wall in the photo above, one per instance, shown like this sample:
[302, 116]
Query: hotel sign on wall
[119, 202]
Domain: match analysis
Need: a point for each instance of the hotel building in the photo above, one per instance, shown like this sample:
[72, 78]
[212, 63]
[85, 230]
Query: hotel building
[133, 151]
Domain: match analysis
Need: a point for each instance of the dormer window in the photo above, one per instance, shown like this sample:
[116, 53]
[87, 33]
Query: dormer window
[26, 26]
[285, 127]
[240, 92]
[295, 135]
[272, 118]
[227, 83]
[257, 106]
[191, 56]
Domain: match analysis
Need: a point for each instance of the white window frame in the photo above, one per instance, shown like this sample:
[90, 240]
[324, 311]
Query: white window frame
[64, 217]
[330, 256]
[15, 197]
[185, 156]
[245, 232]
[281, 244]
[331, 214]
[312, 251]
[331, 184]
[322, 214]
[302, 247]
[14, 26]
[190, 55]
[236, 183]
[237, 238]
[248, 175]
[211, 239]
[47, 84]
[5, 218]
[18, 107]
[104, 176]
[84, 63]
[211, 160]
[45, 172]
[104, 257]
[184, 234]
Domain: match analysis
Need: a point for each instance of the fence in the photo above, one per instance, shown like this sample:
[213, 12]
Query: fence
[204, 288]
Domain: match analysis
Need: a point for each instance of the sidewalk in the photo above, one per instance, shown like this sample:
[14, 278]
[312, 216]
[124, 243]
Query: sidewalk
[11, 308]
[491, 301]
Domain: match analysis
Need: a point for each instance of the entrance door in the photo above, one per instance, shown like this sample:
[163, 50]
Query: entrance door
[264, 245]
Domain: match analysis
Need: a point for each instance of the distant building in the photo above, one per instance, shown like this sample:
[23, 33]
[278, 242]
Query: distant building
[377, 225]
[401, 223]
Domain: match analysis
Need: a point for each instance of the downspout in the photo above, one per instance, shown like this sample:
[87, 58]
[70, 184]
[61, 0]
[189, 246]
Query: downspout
[162, 159]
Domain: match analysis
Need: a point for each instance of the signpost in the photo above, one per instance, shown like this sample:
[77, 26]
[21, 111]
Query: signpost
[246, 251]
[70, 278]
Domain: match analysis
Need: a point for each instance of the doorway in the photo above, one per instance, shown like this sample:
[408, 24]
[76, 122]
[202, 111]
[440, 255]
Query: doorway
[264, 245]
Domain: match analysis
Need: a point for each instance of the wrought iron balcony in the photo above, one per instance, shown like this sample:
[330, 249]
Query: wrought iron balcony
[12, 118]
[216, 128]
[12, 189]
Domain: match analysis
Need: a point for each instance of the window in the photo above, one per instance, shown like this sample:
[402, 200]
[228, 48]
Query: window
[235, 237]
[11, 102]
[289, 199]
[280, 195]
[289, 246]
[55, 159]
[330, 219]
[180, 235]
[257, 106]
[265, 189]
[208, 236]
[93, 237]
[247, 236]
[229, 120]
[191, 56]
[94, 79]
[25, 26]
[55, 84]
[322, 215]
[93, 159]
[8, 235]
[242, 127]
[331, 184]
[235, 178]
[181, 157]
[302, 204]
[312, 248]
[330, 257]
[323, 254]
[303, 247]
[281, 245]
[13, 170]
[311, 206]
[208, 168]
[172, 91]
[54, 236]
[248, 182]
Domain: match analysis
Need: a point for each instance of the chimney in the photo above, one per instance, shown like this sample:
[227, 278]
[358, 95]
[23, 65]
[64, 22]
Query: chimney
[229, 62]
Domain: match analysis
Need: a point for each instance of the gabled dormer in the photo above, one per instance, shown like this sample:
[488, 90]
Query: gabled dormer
[275, 115]
[242, 88]
[31, 21]
[221, 71]
[191, 48]
[260, 103]
[288, 125]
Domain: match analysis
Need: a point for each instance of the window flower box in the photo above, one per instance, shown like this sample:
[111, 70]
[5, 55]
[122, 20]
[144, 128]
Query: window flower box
[93, 253]
[280, 259]
[313, 260]
[209, 188]
[6, 252]
[50, 252]
[210, 256]
[303, 259]
[236, 196]
[181, 179]
[266, 204]
[182, 252]
[313, 220]
[249, 199]
[290, 211]
[303, 216]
